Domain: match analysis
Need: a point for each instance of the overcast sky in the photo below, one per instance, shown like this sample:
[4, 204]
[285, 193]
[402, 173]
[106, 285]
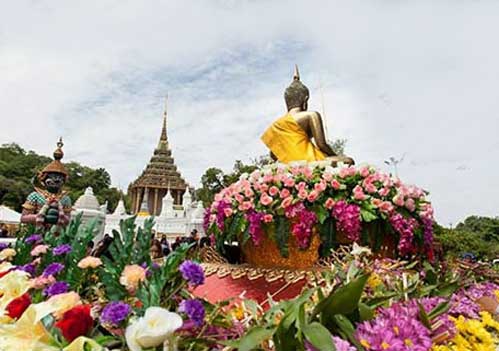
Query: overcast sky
[415, 78]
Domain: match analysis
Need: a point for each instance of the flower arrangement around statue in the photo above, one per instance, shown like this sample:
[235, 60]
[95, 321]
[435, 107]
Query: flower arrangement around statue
[286, 216]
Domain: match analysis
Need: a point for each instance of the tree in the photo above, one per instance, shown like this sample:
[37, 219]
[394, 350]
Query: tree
[19, 168]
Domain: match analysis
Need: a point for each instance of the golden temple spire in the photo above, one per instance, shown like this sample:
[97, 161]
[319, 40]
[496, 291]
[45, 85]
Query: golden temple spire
[163, 140]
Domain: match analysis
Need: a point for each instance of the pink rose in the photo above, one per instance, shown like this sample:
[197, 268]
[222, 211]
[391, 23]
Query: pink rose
[343, 173]
[312, 196]
[218, 197]
[248, 193]
[268, 218]
[410, 204]
[376, 202]
[320, 187]
[41, 281]
[364, 171]
[284, 193]
[289, 182]
[335, 184]
[386, 207]
[39, 250]
[265, 199]
[371, 188]
[239, 198]
[287, 202]
[329, 204]
[273, 191]
[358, 193]
[398, 200]
[302, 194]
[384, 191]
[268, 178]
[264, 187]
[246, 205]
[228, 212]
[301, 186]
[327, 176]
[307, 172]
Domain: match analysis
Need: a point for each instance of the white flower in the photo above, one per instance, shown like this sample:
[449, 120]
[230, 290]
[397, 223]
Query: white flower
[358, 250]
[244, 175]
[157, 325]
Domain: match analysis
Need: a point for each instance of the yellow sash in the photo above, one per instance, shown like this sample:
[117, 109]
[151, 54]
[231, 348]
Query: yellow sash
[289, 142]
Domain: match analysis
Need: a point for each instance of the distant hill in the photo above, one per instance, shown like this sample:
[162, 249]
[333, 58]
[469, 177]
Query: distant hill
[18, 167]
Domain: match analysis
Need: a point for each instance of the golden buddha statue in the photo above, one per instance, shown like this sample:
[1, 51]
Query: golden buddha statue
[290, 137]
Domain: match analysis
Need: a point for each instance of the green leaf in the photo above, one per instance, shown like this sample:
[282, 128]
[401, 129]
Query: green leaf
[319, 336]
[344, 300]
[423, 317]
[254, 337]
[327, 231]
[367, 215]
[439, 310]
[366, 312]
[447, 289]
[347, 329]
[282, 235]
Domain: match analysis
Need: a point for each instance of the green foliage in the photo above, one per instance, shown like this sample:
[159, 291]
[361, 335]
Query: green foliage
[477, 235]
[19, 167]
[214, 179]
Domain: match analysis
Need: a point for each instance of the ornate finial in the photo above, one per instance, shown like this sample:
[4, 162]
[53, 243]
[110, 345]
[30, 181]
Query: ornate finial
[296, 75]
[163, 139]
[58, 153]
[56, 165]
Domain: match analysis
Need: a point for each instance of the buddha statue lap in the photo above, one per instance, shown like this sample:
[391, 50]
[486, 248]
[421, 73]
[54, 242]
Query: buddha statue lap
[290, 137]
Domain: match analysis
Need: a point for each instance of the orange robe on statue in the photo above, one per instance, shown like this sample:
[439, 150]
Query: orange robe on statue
[289, 142]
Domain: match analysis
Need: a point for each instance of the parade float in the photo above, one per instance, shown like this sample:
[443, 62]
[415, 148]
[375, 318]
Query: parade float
[310, 253]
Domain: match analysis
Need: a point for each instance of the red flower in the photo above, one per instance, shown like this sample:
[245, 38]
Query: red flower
[75, 322]
[4, 273]
[16, 307]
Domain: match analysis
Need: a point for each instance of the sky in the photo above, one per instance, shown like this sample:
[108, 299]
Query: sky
[414, 80]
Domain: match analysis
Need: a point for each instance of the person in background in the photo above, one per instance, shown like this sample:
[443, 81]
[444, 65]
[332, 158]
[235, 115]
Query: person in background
[165, 246]
[90, 247]
[176, 244]
[4, 232]
[156, 251]
[204, 242]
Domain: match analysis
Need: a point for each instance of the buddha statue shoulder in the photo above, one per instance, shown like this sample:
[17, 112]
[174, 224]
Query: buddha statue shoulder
[48, 204]
[299, 135]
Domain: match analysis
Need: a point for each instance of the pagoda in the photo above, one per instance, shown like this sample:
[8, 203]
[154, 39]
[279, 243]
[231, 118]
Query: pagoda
[159, 179]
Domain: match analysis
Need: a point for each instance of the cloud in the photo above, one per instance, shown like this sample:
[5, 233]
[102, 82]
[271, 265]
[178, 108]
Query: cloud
[417, 77]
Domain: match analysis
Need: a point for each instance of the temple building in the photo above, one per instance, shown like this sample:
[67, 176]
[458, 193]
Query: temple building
[159, 179]
[160, 191]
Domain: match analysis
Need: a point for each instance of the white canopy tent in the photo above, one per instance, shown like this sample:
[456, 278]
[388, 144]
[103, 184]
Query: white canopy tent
[9, 216]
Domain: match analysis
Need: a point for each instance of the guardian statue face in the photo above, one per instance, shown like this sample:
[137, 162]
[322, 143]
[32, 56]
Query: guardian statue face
[54, 182]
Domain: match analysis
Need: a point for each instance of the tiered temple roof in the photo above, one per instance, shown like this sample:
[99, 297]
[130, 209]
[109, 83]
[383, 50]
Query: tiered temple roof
[160, 176]
[161, 171]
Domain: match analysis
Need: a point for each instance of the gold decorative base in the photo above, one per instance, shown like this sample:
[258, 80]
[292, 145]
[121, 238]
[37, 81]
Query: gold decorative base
[267, 255]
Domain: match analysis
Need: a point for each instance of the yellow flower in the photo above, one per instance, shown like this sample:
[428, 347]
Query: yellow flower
[25, 334]
[7, 254]
[89, 261]
[12, 285]
[5, 266]
[374, 281]
[83, 344]
[57, 304]
[238, 312]
[132, 275]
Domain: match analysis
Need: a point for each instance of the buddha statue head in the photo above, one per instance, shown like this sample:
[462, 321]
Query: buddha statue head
[296, 94]
[54, 175]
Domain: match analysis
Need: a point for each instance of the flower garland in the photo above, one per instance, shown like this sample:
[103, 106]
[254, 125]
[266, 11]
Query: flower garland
[309, 195]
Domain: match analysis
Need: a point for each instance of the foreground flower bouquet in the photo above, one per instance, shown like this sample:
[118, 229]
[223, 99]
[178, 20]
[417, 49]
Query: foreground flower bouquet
[282, 210]
[54, 296]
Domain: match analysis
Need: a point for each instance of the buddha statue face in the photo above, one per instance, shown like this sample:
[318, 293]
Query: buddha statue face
[54, 182]
[296, 95]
